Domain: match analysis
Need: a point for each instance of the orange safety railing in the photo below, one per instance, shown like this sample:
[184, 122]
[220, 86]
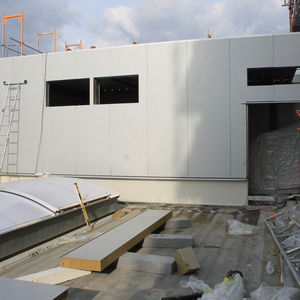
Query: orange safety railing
[20, 17]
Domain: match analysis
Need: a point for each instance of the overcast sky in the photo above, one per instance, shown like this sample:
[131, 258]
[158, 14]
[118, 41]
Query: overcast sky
[118, 22]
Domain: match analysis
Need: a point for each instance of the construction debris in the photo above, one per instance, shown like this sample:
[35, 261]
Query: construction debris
[168, 241]
[147, 263]
[236, 227]
[275, 293]
[285, 230]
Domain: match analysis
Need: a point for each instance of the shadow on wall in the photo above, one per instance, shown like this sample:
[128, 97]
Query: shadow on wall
[203, 106]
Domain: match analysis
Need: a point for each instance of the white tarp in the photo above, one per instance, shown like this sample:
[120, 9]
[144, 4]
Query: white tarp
[275, 162]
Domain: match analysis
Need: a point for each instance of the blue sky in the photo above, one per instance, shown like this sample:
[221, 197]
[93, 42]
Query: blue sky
[118, 22]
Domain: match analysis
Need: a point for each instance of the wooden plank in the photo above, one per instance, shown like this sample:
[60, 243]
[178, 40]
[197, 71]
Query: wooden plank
[100, 252]
[19, 290]
[54, 276]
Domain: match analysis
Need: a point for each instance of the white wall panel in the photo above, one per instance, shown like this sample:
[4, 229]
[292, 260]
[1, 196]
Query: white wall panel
[61, 65]
[286, 50]
[209, 109]
[129, 120]
[286, 53]
[31, 105]
[246, 53]
[91, 63]
[5, 75]
[59, 140]
[92, 140]
[167, 86]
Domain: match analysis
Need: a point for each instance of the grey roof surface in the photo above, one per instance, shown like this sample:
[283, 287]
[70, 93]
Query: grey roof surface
[216, 250]
[22, 290]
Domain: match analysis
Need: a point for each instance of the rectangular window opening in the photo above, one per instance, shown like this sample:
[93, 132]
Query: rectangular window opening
[273, 76]
[116, 89]
[68, 92]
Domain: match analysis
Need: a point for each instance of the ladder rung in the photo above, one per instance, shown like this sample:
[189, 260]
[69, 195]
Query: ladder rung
[13, 143]
[10, 164]
[12, 153]
[14, 131]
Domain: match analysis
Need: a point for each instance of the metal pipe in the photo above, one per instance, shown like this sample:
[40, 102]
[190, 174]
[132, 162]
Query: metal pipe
[26, 45]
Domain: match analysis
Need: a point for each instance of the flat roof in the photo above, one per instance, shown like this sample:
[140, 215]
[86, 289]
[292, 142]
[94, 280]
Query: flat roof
[217, 252]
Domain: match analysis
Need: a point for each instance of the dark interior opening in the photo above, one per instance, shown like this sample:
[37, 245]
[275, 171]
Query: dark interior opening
[116, 89]
[271, 76]
[274, 148]
[68, 92]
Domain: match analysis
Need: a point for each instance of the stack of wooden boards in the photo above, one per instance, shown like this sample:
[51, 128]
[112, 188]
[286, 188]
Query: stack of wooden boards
[100, 252]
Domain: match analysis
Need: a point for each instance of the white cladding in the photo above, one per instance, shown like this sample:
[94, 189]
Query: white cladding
[190, 122]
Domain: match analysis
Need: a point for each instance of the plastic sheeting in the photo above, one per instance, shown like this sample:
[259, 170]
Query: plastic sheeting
[16, 210]
[32, 200]
[56, 193]
[275, 162]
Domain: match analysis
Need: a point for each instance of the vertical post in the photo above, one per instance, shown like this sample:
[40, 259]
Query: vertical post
[3, 37]
[22, 33]
[54, 40]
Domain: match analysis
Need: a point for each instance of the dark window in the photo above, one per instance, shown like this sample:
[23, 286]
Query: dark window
[68, 92]
[271, 76]
[117, 89]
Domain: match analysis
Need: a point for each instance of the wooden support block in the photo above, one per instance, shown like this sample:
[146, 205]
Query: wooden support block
[100, 252]
[119, 214]
[186, 260]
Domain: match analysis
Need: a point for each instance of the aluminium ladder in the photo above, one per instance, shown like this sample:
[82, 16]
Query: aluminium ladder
[9, 127]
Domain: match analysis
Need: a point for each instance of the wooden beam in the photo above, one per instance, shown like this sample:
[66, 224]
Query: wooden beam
[100, 252]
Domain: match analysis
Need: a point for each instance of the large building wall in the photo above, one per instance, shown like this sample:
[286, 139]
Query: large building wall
[190, 122]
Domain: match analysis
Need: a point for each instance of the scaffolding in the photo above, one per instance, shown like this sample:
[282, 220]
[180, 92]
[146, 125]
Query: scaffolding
[294, 14]
[20, 17]
[53, 36]
[68, 46]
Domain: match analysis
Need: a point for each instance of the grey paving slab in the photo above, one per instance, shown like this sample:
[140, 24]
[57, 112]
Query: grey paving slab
[178, 223]
[12, 289]
[147, 263]
[168, 241]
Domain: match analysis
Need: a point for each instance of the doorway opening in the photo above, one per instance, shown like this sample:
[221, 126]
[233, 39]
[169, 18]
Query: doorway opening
[274, 148]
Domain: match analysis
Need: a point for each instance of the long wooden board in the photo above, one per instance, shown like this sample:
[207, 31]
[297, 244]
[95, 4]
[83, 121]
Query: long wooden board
[100, 252]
